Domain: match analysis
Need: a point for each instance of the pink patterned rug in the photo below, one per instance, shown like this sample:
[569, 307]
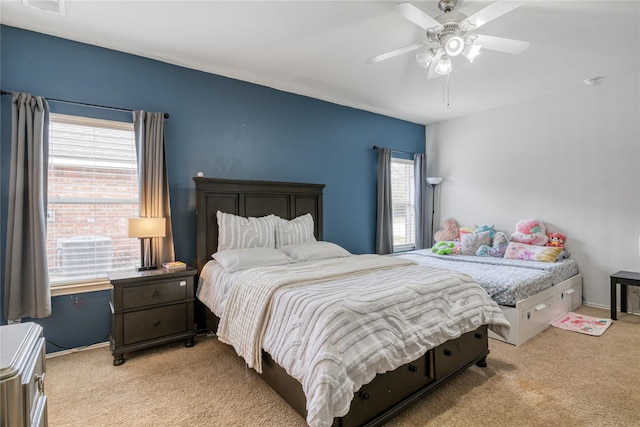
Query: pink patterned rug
[583, 324]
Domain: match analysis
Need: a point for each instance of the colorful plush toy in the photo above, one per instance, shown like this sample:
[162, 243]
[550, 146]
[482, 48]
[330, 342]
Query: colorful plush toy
[443, 248]
[484, 227]
[530, 232]
[498, 246]
[451, 231]
[556, 239]
[465, 230]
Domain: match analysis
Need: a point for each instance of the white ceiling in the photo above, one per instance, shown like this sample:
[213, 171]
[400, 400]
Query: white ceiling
[318, 48]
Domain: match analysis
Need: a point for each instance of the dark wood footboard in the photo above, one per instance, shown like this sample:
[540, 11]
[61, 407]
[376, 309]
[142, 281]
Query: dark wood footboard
[391, 392]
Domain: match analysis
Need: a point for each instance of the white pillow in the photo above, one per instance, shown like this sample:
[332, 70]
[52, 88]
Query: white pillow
[314, 250]
[298, 230]
[238, 232]
[241, 259]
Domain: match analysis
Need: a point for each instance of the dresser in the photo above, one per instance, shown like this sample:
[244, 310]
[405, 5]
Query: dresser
[22, 372]
[150, 308]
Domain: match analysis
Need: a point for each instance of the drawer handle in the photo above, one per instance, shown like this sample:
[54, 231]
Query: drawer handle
[363, 395]
[478, 335]
[156, 294]
[448, 352]
[157, 322]
[413, 368]
[40, 382]
[569, 291]
[183, 283]
[540, 307]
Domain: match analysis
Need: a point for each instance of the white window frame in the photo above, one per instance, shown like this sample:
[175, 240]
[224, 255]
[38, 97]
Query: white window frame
[70, 287]
[409, 206]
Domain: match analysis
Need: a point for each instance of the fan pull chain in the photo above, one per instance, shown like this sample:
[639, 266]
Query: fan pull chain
[445, 93]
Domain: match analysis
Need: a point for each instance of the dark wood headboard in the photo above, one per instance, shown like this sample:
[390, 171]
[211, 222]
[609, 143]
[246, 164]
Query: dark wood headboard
[250, 198]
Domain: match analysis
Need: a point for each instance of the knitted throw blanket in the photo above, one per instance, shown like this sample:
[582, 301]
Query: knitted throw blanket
[249, 302]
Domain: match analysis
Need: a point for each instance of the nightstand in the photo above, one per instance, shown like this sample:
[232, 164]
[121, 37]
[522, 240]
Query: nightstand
[149, 308]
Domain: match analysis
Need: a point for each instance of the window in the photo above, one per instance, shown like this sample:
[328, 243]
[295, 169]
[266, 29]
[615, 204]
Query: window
[403, 199]
[92, 191]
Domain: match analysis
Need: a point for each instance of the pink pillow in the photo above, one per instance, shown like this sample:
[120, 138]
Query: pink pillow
[531, 232]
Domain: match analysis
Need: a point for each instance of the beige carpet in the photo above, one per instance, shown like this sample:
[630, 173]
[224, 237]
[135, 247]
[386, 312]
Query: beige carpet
[559, 378]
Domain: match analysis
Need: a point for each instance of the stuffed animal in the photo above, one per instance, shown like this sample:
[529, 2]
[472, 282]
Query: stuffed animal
[484, 227]
[443, 248]
[465, 230]
[530, 232]
[498, 246]
[556, 239]
[451, 231]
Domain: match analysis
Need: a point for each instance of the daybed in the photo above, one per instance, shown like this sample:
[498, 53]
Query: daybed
[531, 294]
[355, 371]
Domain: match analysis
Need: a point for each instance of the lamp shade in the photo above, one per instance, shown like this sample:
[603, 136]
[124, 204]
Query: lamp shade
[434, 180]
[444, 65]
[146, 227]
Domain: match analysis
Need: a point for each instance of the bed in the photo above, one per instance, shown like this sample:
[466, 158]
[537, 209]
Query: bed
[382, 392]
[531, 294]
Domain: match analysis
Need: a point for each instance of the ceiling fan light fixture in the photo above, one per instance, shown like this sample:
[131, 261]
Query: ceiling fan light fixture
[444, 65]
[454, 46]
[424, 58]
[471, 51]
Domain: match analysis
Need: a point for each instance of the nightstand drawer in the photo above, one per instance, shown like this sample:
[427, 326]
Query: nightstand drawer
[156, 293]
[154, 323]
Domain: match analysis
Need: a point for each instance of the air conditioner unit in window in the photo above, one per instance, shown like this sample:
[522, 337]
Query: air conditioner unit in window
[84, 256]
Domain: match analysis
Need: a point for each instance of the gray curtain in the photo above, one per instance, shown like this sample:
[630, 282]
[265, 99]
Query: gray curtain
[26, 280]
[423, 227]
[384, 226]
[153, 180]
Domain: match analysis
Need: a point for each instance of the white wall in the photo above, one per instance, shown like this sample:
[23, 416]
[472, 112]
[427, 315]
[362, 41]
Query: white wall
[571, 160]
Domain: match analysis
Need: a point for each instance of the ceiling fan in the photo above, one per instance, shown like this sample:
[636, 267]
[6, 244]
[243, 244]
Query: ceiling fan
[449, 35]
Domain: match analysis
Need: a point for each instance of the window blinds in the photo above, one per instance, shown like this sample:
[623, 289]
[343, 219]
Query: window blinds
[92, 191]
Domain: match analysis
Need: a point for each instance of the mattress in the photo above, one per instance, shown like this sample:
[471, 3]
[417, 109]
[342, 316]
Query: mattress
[507, 281]
[334, 335]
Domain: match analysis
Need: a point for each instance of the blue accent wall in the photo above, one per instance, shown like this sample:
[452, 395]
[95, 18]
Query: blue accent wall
[223, 127]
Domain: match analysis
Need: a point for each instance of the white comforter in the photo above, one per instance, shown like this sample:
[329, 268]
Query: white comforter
[335, 335]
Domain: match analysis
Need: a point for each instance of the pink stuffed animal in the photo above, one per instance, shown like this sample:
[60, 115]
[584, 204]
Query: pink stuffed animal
[531, 232]
[450, 233]
[556, 239]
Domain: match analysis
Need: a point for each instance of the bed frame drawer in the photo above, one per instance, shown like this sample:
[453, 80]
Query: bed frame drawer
[452, 355]
[384, 393]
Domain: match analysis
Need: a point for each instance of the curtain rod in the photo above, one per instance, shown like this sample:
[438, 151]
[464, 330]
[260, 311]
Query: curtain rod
[4, 92]
[375, 147]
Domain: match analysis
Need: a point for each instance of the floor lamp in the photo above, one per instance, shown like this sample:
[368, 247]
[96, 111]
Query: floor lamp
[434, 181]
[146, 229]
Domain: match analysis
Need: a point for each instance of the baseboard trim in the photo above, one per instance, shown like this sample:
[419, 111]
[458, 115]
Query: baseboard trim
[76, 350]
[608, 308]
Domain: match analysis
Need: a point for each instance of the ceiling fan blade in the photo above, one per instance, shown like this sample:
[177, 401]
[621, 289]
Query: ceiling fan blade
[396, 52]
[501, 44]
[489, 13]
[432, 67]
[415, 15]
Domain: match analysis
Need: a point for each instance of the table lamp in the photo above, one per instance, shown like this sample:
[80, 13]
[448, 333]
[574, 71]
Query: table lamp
[146, 229]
